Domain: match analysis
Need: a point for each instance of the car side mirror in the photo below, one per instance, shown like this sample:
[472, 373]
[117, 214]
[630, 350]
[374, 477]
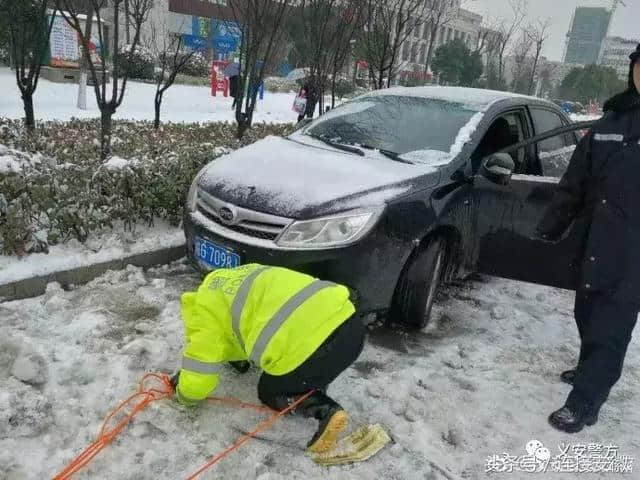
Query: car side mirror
[498, 168]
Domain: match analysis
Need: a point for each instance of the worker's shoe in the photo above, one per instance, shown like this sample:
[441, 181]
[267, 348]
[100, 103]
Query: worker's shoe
[573, 418]
[568, 376]
[329, 430]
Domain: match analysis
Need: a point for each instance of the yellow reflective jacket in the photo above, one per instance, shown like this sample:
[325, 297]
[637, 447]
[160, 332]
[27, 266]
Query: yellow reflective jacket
[270, 315]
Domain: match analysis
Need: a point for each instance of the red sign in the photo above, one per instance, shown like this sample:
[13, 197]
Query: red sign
[219, 83]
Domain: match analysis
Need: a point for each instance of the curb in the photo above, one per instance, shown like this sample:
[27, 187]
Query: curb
[35, 286]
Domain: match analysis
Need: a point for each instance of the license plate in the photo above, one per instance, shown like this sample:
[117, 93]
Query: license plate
[214, 255]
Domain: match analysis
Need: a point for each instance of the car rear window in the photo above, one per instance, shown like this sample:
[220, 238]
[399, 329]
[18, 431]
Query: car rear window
[400, 124]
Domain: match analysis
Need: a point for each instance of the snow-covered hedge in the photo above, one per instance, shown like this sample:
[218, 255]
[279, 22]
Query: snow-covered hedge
[61, 190]
[197, 66]
[280, 85]
[138, 64]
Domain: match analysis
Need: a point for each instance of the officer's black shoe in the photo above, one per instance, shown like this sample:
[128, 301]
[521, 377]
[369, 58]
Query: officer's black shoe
[573, 418]
[568, 376]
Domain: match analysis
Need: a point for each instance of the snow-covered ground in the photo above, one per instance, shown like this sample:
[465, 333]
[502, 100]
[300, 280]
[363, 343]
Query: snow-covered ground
[182, 103]
[480, 381]
[100, 247]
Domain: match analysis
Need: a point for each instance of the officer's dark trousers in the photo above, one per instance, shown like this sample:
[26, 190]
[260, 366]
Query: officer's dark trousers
[336, 354]
[605, 326]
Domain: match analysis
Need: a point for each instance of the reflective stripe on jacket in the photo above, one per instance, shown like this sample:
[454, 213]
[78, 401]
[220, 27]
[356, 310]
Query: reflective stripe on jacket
[270, 315]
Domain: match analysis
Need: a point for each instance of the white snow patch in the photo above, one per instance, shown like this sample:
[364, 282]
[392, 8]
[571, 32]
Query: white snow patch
[10, 164]
[585, 118]
[117, 163]
[281, 169]
[464, 135]
[432, 158]
[110, 245]
[472, 98]
[481, 380]
[182, 103]
[559, 151]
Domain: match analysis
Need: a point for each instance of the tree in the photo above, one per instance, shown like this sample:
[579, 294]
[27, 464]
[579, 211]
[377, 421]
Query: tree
[592, 82]
[172, 60]
[439, 14]
[84, 63]
[455, 64]
[507, 30]
[538, 35]
[29, 30]
[388, 24]
[323, 31]
[344, 37]
[261, 25]
[521, 68]
[138, 12]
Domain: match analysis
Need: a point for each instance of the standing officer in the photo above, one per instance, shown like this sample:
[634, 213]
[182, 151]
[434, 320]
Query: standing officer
[301, 331]
[602, 184]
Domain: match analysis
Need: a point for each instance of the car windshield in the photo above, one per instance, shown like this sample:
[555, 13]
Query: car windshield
[394, 123]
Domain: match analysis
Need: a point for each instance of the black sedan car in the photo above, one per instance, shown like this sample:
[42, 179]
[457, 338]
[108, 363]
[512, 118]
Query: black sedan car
[393, 194]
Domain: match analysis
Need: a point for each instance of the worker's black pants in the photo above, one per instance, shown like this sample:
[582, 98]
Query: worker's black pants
[605, 326]
[339, 351]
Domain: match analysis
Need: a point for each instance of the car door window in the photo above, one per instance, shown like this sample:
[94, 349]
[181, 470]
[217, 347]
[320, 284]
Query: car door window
[554, 153]
[506, 130]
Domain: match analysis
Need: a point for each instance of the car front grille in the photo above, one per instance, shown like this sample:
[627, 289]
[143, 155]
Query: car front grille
[243, 221]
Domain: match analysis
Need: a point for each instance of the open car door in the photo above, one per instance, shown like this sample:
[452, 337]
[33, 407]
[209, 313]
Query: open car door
[508, 215]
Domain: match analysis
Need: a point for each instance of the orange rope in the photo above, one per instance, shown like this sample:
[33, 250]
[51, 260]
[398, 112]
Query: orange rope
[144, 397]
[245, 438]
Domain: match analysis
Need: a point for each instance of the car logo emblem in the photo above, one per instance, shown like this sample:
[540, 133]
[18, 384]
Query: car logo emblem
[226, 215]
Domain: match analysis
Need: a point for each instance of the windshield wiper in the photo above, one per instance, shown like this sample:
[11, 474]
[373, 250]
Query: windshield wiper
[389, 154]
[339, 146]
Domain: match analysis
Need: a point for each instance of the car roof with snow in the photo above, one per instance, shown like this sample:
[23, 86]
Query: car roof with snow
[474, 98]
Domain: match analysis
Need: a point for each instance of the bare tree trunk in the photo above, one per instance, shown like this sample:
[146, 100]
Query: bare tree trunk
[333, 92]
[431, 48]
[533, 73]
[106, 126]
[127, 22]
[157, 105]
[84, 62]
[29, 116]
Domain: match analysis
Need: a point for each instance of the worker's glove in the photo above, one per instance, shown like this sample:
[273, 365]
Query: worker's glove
[174, 381]
[241, 366]
[180, 400]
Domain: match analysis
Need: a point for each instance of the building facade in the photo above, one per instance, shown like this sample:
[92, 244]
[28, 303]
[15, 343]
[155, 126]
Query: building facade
[587, 31]
[462, 24]
[615, 54]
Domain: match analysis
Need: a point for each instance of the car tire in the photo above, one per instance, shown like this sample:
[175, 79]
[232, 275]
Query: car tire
[419, 284]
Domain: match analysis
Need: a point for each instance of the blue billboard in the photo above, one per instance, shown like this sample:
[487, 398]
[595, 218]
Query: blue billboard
[223, 36]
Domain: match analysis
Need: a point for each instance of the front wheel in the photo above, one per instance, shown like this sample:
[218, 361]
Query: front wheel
[419, 284]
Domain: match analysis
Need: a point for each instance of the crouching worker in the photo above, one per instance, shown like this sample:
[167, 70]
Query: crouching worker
[302, 332]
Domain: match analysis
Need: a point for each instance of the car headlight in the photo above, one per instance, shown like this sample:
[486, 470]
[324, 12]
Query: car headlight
[334, 231]
[192, 196]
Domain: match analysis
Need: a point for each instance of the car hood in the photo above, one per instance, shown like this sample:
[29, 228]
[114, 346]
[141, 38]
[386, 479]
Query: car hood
[299, 177]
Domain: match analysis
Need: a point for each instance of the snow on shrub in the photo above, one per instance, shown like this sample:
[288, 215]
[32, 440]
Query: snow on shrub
[56, 188]
[197, 66]
[137, 64]
[280, 85]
